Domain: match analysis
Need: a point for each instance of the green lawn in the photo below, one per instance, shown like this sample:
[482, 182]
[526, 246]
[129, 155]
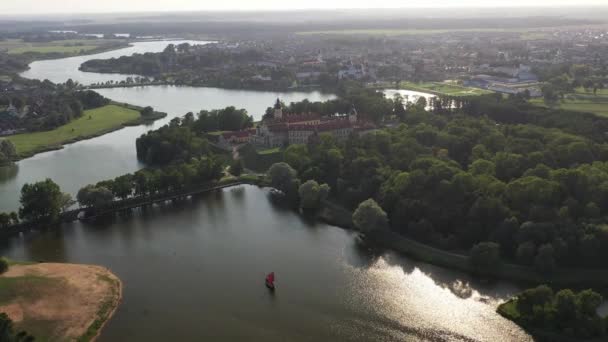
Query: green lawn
[270, 151]
[94, 122]
[75, 46]
[509, 310]
[443, 88]
[582, 101]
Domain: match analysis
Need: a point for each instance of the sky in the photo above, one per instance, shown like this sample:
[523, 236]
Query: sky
[105, 6]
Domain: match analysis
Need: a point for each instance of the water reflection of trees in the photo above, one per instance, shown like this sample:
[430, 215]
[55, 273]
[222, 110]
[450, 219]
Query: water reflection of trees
[8, 172]
[460, 284]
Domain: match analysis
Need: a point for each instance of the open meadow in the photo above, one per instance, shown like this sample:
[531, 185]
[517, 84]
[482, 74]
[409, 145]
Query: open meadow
[93, 122]
[582, 101]
[67, 47]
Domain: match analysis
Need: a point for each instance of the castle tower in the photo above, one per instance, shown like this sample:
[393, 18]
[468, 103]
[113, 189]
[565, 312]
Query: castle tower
[278, 110]
[352, 115]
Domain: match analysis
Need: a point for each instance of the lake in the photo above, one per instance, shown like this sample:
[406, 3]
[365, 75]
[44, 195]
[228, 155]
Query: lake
[409, 96]
[195, 271]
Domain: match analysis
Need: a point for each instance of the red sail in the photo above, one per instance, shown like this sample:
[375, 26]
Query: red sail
[270, 278]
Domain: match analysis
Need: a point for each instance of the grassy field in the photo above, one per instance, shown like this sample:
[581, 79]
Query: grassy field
[69, 47]
[582, 101]
[270, 151]
[443, 89]
[93, 123]
[34, 297]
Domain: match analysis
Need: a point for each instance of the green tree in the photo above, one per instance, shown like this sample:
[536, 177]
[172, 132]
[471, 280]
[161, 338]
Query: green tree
[3, 265]
[96, 197]
[236, 168]
[8, 152]
[312, 194]
[545, 259]
[485, 256]
[482, 167]
[41, 201]
[147, 111]
[525, 252]
[535, 297]
[122, 187]
[283, 177]
[565, 305]
[297, 156]
[369, 217]
[589, 301]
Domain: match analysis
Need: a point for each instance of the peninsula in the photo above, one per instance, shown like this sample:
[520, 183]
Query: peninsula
[52, 301]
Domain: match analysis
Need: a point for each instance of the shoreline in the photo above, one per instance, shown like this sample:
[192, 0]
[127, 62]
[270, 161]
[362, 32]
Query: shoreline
[333, 214]
[56, 147]
[116, 302]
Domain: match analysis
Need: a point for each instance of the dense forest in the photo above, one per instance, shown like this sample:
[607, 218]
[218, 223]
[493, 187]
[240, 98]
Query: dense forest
[454, 178]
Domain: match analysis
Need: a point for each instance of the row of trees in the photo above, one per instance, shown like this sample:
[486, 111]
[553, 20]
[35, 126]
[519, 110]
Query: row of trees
[148, 182]
[565, 312]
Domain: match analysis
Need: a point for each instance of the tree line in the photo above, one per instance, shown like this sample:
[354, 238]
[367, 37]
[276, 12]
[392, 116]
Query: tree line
[149, 182]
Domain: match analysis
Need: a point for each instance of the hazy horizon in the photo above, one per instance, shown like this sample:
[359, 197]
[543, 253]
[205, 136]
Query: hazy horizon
[29, 7]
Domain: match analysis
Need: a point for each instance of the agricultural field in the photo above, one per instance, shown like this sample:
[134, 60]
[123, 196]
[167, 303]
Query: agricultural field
[94, 122]
[67, 47]
[582, 101]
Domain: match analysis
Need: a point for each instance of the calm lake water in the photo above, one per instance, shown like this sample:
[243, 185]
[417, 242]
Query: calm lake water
[409, 96]
[195, 271]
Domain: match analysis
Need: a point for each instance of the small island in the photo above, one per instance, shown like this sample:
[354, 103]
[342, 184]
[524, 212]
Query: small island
[52, 301]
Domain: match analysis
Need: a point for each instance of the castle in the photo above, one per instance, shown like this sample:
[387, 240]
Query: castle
[284, 129]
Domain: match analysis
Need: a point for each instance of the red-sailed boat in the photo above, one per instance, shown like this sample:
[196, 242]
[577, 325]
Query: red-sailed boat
[270, 280]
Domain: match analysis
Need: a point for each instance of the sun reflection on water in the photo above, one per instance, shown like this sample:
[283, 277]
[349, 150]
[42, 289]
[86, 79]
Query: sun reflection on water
[448, 309]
